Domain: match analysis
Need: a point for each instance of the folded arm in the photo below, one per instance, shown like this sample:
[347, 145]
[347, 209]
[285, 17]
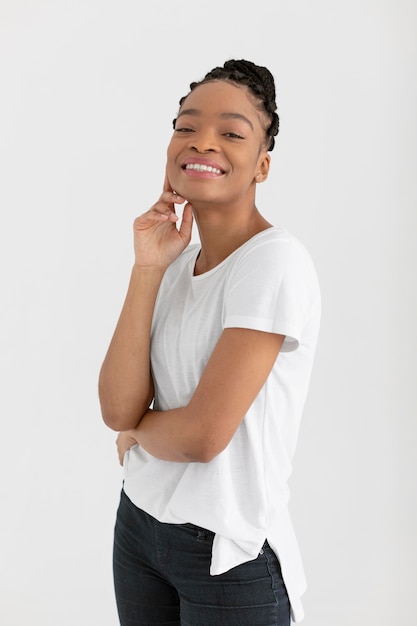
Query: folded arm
[233, 377]
[125, 382]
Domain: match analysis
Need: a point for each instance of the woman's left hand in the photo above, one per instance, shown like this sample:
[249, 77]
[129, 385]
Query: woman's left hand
[125, 440]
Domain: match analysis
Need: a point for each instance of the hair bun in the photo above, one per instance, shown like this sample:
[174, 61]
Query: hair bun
[258, 73]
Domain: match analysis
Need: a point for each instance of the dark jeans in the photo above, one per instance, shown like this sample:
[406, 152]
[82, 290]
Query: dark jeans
[161, 576]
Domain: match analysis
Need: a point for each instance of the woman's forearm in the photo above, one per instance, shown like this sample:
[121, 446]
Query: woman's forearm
[169, 435]
[125, 381]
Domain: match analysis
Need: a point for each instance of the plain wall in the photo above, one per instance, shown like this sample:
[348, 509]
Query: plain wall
[88, 92]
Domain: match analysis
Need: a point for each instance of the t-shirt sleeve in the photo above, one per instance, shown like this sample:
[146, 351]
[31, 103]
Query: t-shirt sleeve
[273, 288]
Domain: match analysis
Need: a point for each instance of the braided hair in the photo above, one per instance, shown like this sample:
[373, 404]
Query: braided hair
[260, 83]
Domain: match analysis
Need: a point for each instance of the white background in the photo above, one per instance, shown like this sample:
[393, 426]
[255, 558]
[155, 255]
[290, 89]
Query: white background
[88, 92]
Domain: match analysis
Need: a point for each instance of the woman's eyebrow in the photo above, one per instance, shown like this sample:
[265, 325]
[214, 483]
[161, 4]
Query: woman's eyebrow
[236, 116]
[189, 112]
[224, 116]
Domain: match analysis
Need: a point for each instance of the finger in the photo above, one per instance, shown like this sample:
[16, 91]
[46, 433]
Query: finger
[168, 188]
[186, 222]
[169, 197]
[163, 213]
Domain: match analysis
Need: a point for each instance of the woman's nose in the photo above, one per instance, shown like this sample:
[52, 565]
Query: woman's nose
[203, 142]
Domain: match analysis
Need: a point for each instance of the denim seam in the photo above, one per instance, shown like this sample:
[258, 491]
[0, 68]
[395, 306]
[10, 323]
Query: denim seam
[269, 557]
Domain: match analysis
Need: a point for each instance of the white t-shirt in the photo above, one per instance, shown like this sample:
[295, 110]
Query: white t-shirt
[268, 284]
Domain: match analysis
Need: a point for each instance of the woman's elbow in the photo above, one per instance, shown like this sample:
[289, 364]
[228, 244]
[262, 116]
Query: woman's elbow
[204, 451]
[117, 421]
[119, 417]
[121, 414]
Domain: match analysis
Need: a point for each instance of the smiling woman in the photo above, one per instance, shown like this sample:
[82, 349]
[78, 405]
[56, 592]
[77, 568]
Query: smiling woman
[222, 131]
[219, 339]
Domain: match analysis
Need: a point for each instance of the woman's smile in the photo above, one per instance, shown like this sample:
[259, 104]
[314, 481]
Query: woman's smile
[202, 168]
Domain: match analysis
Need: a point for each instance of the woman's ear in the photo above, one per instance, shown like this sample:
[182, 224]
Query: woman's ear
[262, 170]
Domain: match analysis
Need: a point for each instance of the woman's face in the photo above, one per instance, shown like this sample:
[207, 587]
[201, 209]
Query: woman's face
[217, 149]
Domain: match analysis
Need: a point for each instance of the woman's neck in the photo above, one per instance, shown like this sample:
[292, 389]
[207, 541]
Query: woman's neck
[220, 235]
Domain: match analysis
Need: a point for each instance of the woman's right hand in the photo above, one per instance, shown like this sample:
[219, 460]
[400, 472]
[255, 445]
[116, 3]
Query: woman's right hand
[157, 240]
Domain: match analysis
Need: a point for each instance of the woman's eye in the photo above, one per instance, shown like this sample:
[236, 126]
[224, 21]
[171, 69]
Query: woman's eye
[234, 135]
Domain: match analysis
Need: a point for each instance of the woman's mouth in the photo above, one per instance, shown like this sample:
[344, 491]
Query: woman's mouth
[197, 167]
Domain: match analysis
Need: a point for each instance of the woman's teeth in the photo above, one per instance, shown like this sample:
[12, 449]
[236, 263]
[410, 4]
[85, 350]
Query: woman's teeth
[202, 168]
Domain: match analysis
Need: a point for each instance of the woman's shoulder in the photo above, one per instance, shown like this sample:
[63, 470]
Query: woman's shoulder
[275, 242]
[274, 255]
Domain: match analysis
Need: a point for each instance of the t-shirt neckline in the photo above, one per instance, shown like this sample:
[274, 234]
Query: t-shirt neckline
[222, 263]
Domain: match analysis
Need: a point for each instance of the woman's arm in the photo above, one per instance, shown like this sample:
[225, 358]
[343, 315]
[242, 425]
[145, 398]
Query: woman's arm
[233, 377]
[125, 381]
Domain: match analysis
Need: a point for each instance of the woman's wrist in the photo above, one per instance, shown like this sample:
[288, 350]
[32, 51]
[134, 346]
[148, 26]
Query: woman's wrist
[149, 270]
